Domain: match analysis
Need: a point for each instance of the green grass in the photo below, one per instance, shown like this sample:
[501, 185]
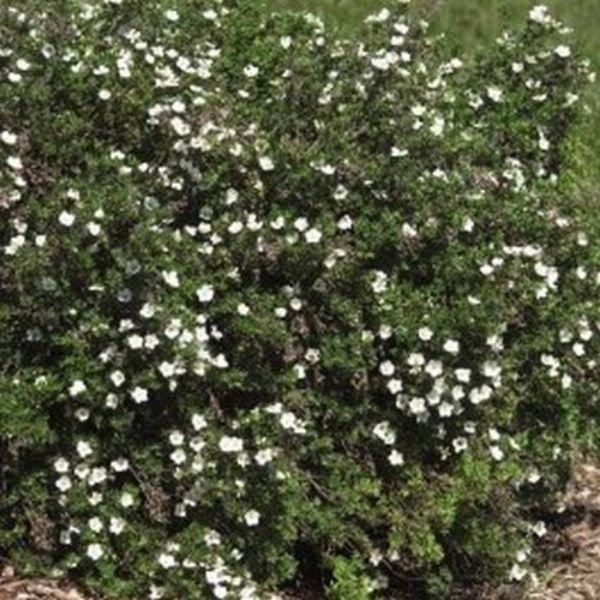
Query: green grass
[468, 23]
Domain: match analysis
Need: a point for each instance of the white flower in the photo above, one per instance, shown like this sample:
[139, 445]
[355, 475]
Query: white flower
[460, 444]
[166, 369]
[312, 355]
[251, 71]
[23, 65]
[210, 14]
[396, 152]
[543, 143]
[468, 225]
[415, 360]
[486, 269]
[313, 236]
[301, 224]
[262, 457]
[266, 163]
[82, 471]
[220, 591]
[180, 127]
[562, 51]
[139, 395]
[127, 500]
[118, 378]
[63, 483]
[386, 368]
[435, 368]
[172, 15]
[252, 517]
[10, 139]
[178, 456]
[285, 41]
[437, 128]
[197, 443]
[198, 422]
[66, 219]
[212, 538]
[231, 444]
[176, 438]
[497, 453]
[288, 420]
[120, 465]
[539, 529]
[517, 572]
[104, 94]
[61, 465]
[178, 106]
[394, 386]
[76, 388]
[205, 293]
[82, 414]
[478, 395]
[445, 409]
[151, 341]
[385, 433]
[278, 223]
[463, 375]
[94, 228]
[116, 525]
[243, 309]
[95, 498]
[539, 14]
[345, 223]
[491, 369]
[381, 281]
[95, 524]
[385, 332]
[95, 551]
[97, 475]
[494, 94]
[425, 334]
[235, 227]
[171, 278]
[135, 341]
[84, 449]
[451, 346]
[381, 62]
[173, 329]
[417, 406]
[167, 561]
[396, 458]
[147, 311]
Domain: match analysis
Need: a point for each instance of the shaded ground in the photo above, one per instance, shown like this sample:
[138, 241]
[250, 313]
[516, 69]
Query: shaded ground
[578, 578]
[12, 588]
[573, 576]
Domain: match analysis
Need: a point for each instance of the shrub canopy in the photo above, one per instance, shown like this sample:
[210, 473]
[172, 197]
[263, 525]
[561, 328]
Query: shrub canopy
[277, 307]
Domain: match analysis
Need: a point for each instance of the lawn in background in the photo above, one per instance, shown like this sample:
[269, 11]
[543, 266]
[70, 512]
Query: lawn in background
[468, 23]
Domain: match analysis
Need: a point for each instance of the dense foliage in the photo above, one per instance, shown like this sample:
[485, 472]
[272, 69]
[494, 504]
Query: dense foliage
[279, 309]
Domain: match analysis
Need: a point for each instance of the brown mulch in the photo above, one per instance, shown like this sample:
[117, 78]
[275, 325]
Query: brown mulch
[13, 588]
[579, 578]
[575, 577]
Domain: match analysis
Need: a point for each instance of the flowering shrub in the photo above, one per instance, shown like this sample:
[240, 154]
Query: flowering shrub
[281, 308]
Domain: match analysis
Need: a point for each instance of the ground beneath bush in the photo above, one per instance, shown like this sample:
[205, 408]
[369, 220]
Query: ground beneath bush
[13, 588]
[578, 577]
[574, 574]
